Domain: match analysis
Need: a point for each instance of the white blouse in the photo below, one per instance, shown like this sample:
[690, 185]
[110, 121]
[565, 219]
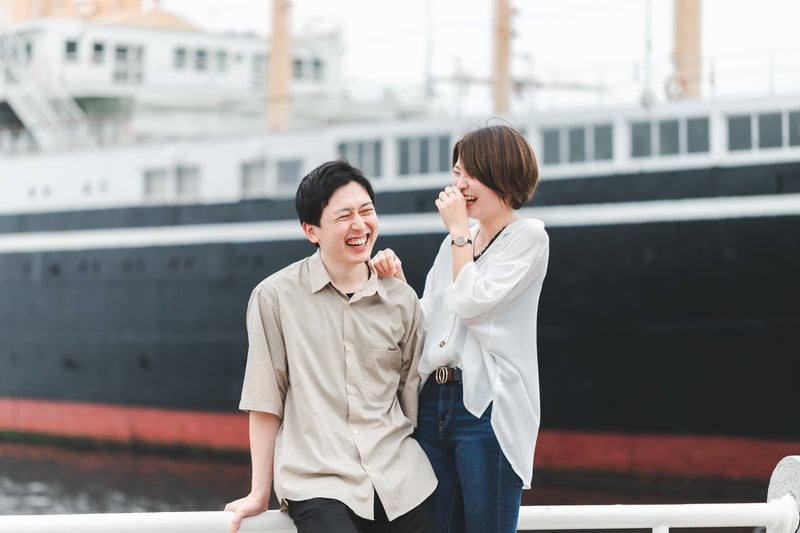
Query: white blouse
[484, 322]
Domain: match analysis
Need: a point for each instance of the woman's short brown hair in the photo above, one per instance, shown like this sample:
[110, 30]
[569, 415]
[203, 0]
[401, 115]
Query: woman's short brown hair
[500, 158]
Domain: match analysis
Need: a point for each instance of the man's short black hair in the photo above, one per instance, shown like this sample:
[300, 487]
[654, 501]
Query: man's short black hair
[317, 187]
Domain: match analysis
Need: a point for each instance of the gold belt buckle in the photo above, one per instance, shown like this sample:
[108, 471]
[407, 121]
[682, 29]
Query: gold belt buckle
[441, 375]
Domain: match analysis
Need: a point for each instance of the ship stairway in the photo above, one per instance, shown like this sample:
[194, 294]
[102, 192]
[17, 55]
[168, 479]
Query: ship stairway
[49, 114]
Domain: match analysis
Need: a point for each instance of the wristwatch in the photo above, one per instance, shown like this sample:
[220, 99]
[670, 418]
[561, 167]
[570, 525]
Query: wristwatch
[460, 241]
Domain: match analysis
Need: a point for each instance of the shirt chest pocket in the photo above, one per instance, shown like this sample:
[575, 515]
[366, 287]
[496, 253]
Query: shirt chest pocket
[381, 369]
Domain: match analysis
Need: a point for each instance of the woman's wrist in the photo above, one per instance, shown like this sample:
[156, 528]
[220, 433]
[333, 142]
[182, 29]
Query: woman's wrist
[462, 232]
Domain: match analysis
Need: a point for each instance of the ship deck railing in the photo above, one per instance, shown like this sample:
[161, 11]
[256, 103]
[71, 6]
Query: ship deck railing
[780, 514]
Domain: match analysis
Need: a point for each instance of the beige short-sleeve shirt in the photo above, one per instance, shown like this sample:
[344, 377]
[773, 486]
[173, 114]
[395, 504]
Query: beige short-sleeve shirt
[342, 375]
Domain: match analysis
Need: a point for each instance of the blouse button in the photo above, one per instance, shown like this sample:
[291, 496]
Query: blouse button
[441, 344]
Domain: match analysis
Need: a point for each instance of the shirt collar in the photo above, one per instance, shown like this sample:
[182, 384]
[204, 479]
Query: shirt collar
[319, 278]
[373, 285]
[318, 274]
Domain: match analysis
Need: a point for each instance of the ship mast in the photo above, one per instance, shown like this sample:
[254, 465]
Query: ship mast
[686, 52]
[279, 68]
[501, 80]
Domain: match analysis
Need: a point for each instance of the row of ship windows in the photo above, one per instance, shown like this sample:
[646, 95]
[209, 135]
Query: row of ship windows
[670, 137]
[426, 155]
[596, 142]
[198, 59]
[432, 154]
[416, 155]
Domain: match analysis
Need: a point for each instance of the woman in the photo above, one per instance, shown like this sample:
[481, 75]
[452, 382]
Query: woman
[479, 405]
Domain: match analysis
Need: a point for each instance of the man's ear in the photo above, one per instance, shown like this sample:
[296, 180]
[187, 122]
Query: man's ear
[311, 232]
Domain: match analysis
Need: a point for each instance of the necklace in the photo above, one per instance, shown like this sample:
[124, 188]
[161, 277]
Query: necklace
[475, 258]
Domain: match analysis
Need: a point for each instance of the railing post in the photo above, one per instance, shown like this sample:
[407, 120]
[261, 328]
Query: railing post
[784, 485]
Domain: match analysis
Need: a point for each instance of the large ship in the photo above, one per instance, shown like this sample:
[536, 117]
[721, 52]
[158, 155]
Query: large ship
[667, 323]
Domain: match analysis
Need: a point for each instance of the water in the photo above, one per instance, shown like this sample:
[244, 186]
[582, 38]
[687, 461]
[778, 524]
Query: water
[39, 479]
[49, 480]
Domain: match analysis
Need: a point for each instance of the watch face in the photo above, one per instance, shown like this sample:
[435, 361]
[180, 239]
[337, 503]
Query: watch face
[461, 241]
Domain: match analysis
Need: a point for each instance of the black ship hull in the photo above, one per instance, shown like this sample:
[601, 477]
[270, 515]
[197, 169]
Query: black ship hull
[668, 325]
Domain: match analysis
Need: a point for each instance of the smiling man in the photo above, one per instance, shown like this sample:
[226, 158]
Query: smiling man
[331, 378]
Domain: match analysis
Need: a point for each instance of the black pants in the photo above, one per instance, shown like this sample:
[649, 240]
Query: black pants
[324, 515]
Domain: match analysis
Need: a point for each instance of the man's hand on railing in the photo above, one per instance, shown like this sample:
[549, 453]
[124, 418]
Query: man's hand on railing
[250, 505]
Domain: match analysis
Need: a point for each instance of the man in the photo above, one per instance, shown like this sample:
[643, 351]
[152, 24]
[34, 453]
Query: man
[331, 378]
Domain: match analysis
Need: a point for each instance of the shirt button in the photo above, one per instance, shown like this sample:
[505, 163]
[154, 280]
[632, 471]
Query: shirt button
[355, 432]
[441, 344]
[347, 306]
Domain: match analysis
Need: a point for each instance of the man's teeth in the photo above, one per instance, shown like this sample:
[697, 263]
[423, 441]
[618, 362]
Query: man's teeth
[361, 241]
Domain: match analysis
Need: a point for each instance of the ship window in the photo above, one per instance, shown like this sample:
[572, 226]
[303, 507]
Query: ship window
[424, 160]
[319, 72]
[98, 52]
[404, 155]
[668, 137]
[641, 145]
[298, 69]
[769, 130]
[377, 147]
[289, 172]
[180, 58]
[155, 184]
[365, 155]
[127, 65]
[794, 128]
[739, 136]
[697, 135]
[423, 155]
[71, 50]
[137, 71]
[222, 60]
[200, 60]
[552, 147]
[257, 70]
[254, 178]
[121, 64]
[577, 145]
[603, 143]
[187, 182]
[444, 153]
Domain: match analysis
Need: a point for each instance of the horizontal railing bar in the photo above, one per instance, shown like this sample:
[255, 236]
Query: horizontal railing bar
[772, 514]
[170, 522]
[778, 514]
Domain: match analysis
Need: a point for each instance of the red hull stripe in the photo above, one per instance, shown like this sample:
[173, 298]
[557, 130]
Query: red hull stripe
[694, 456]
[123, 424]
[679, 455]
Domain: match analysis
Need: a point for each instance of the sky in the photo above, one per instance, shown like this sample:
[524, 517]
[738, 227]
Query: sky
[600, 42]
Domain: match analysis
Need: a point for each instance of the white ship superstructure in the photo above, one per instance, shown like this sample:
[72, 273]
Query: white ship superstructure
[134, 73]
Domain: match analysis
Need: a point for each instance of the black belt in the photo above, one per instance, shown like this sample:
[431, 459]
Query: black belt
[444, 375]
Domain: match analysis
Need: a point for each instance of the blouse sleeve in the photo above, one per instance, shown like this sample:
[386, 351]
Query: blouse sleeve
[524, 258]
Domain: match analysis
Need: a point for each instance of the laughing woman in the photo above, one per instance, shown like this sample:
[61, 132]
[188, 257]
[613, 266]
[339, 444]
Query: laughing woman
[479, 405]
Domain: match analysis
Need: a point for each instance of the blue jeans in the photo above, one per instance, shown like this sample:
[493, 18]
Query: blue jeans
[478, 491]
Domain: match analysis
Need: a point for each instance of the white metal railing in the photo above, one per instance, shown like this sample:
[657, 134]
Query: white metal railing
[779, 515]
